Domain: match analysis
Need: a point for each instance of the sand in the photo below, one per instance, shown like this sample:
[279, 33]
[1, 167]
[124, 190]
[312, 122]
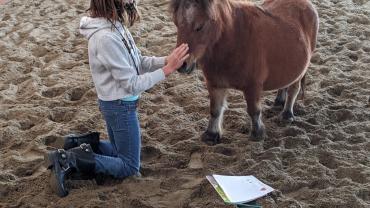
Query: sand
[321, 160]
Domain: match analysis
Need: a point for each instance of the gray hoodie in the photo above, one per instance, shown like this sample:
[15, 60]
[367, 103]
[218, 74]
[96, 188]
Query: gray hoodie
[113, 70]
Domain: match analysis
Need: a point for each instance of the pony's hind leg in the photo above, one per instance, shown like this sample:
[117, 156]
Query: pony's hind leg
[253, 98]
[218, 106]
[280, 97]
[292, 93]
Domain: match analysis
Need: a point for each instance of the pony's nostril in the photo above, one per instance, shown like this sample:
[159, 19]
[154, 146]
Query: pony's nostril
[183, 68]
[187, 68]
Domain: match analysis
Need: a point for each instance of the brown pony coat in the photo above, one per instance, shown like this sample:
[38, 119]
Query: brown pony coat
[249, 48]
[257, 41]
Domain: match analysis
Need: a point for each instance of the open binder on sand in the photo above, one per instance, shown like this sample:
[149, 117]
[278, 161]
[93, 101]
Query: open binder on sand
[239, 189]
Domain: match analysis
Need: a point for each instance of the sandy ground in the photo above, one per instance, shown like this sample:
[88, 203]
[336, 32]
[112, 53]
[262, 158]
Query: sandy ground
[321, 160]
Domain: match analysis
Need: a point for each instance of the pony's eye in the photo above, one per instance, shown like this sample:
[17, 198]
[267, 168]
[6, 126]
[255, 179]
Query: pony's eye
[199, 28]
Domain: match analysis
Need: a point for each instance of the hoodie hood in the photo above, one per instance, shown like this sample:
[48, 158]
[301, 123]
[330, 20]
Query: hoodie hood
[89, 26]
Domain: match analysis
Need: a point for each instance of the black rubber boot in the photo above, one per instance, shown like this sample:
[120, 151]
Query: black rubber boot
[63, 163]
[75, 140]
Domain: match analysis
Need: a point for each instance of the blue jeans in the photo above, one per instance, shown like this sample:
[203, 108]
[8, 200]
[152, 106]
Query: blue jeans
[121, 154]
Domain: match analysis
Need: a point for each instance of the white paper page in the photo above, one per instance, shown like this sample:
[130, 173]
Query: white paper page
[241, 189]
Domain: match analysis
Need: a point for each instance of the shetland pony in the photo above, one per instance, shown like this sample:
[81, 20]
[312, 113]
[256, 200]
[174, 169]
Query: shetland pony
[250, 48]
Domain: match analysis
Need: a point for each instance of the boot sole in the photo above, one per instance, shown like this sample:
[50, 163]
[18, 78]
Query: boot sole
[51, 162]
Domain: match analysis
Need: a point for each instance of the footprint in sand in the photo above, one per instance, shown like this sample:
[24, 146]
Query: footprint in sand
[54, 92]
[357, 175]
[272, 143]
[297, 142]
[353, 57]
[26, 124]
[76, 94]
[62, 114]
[336, 90]
[28, 168]
[364, 194]
[6, 178]
[354, 46]
[366, 46]
[67, 65]
[328, 159]
[225, 151]
[52, 140]
[316, 139]
[360, 2]
[150, 153]
[39, 51]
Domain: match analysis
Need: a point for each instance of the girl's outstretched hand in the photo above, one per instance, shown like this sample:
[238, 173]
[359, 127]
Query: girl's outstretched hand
[176, 59]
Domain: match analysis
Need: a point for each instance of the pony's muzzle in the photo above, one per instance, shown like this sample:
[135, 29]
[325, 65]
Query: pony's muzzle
[188, 67]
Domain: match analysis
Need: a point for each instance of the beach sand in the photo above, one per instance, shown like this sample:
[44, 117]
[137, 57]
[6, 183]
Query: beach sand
[46, 91]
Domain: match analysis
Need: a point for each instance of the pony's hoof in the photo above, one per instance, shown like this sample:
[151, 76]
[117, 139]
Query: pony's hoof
[211, 138]
[279, 103]
[286, 117]
[258, 134]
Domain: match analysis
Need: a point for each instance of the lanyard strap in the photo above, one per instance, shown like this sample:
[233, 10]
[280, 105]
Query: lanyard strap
[127, 46]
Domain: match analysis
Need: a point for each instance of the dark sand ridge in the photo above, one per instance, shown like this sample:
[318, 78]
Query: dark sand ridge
[322, 160]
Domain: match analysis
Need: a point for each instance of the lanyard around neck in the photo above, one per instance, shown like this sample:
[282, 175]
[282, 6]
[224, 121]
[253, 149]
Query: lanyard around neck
[127, 46]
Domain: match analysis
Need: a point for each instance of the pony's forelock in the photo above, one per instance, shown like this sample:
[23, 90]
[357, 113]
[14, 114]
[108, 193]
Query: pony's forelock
[206, 5]
[174, 5]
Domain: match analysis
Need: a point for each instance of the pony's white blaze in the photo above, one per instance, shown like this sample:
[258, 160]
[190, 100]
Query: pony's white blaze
[189, 14]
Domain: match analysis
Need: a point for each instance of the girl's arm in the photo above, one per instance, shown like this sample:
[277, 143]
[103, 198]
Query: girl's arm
[149, 64]
[115, 58]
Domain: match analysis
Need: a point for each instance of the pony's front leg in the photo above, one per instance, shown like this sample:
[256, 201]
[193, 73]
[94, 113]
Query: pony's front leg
[218, 106]
[253, 98]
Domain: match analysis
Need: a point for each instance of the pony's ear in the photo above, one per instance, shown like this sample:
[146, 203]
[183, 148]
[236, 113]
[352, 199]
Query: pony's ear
[174, 5]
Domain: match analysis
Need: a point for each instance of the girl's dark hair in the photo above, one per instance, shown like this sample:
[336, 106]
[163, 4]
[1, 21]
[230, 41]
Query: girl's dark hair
[114, 10]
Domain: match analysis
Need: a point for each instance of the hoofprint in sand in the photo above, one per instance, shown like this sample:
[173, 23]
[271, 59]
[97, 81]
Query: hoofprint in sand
[321, 160]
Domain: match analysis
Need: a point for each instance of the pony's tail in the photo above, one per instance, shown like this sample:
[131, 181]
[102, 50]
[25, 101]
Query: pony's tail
[303, 87]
